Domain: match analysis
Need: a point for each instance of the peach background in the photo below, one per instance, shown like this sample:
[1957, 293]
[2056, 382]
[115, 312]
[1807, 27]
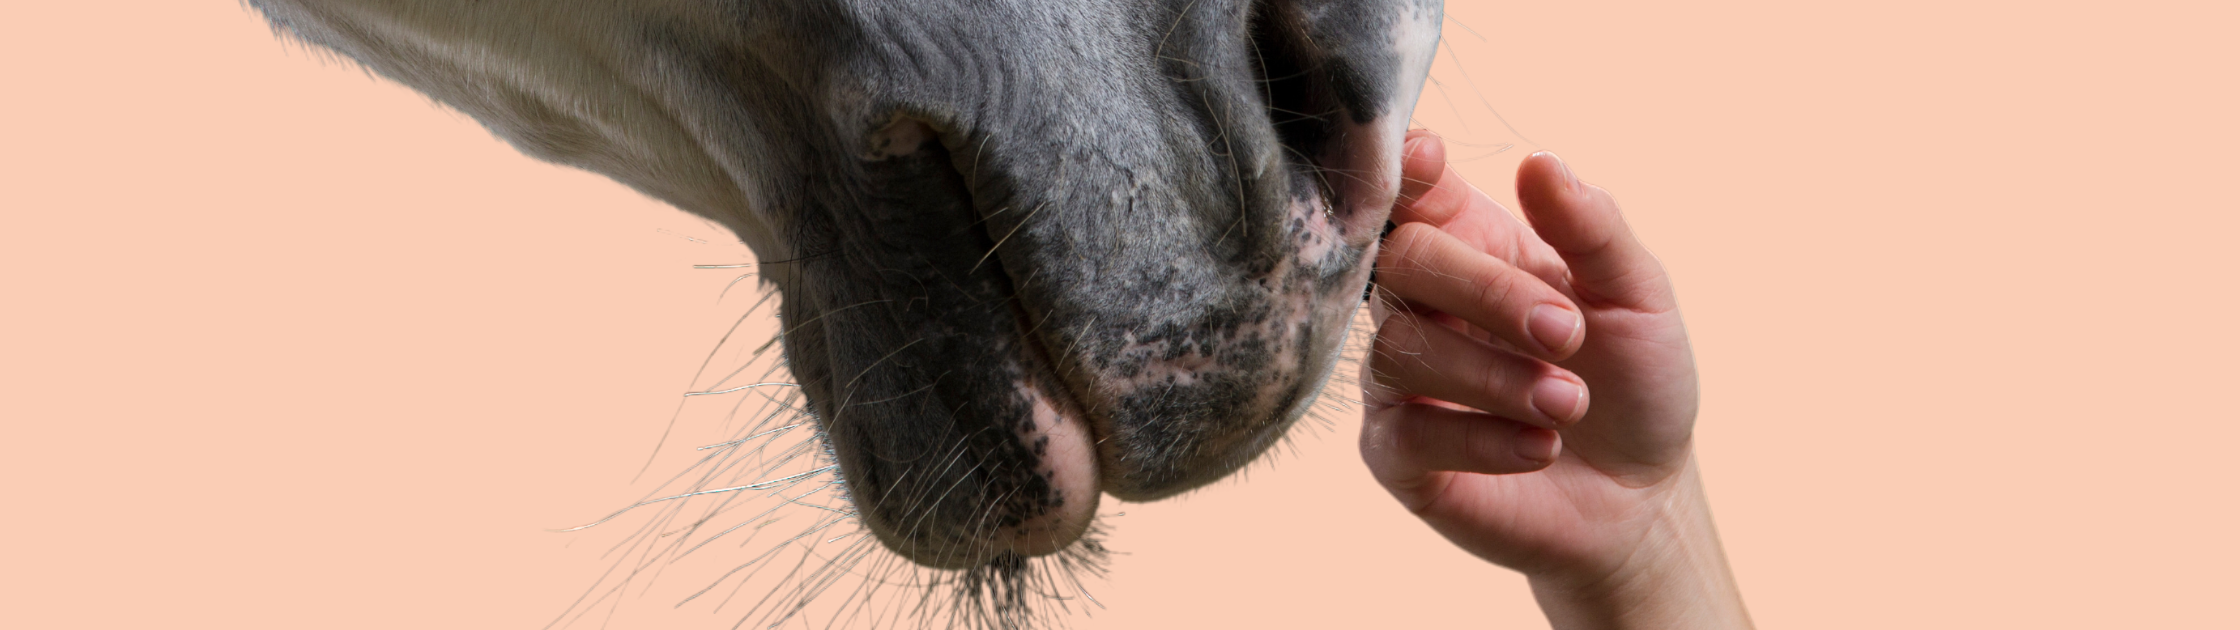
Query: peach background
[286, 346]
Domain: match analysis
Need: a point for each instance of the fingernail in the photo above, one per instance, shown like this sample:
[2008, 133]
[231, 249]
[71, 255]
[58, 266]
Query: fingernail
[1537, 445]
[1571, 182]
[1558, 399]
[1554, 327]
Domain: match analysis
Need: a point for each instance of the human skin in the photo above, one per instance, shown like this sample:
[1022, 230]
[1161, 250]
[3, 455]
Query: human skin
[1491, 335]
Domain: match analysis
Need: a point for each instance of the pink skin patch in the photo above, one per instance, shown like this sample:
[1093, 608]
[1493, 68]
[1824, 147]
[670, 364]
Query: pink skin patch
[900, 137]
[1071, 463]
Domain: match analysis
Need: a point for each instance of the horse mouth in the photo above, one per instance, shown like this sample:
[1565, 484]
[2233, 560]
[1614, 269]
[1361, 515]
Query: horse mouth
[1010, 369]
[1058, 313]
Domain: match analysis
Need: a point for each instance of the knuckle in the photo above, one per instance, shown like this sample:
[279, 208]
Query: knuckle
[1495, 290]
[1487, 444]
[1497, 381]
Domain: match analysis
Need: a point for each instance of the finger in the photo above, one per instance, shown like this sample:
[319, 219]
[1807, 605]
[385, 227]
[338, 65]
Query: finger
[1582, 222]
[1424, 265]
[1432, 192]
[1422, 156]
[1426, 195]
[1411, 441]
[1414, 357]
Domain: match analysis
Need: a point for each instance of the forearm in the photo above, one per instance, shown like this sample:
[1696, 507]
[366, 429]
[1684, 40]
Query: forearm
[1676, 578]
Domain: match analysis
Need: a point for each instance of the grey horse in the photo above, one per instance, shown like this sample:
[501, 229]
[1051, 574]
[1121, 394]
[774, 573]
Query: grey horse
[1029, 252]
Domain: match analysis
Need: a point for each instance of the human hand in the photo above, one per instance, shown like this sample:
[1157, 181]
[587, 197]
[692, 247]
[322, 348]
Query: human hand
[1491, 336]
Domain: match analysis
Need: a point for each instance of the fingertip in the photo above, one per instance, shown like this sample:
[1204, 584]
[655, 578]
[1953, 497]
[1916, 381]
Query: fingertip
[1418, 437]
[1552, 201]
[1584, 226]
[1562, 169]
[1561, 401]
[1423, 159]
[1428, 146]
[1557, 328]
[1542, 174]
[1538, 446]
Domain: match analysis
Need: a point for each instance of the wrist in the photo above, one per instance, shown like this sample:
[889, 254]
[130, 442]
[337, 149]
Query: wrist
[1674, 576]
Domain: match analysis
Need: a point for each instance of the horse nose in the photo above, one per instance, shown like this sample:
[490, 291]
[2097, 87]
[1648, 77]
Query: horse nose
[1290, 120]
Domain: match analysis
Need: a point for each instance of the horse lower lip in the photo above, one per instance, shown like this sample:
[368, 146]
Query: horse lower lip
[1064, 439]
[1066, 448]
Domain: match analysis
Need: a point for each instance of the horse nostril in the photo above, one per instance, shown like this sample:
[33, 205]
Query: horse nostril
[1324, 128]
[1295, 88]
[902, 136]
